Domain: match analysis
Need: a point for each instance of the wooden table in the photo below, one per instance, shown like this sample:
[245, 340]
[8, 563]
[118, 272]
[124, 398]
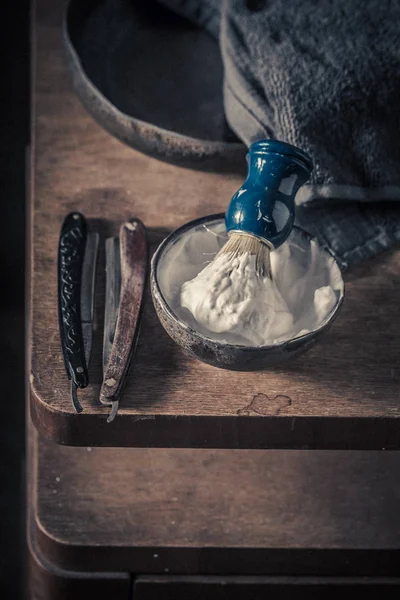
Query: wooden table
[182, 522]
[343, 394]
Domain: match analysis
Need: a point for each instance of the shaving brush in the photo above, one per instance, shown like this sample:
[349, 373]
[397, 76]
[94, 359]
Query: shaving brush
[234, 292]
[261, 213]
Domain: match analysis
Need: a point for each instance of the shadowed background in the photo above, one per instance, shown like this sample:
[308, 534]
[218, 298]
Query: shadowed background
[14, 137]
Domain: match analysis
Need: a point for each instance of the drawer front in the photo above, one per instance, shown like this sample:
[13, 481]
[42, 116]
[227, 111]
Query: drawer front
[259, 588]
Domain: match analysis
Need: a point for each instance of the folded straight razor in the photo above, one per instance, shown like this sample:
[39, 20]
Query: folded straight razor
[126, 269]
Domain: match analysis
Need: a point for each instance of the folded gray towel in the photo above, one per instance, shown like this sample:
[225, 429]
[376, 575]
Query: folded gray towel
[323, 75]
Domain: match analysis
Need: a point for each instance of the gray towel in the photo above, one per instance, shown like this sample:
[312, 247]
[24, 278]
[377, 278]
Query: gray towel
[323, 75]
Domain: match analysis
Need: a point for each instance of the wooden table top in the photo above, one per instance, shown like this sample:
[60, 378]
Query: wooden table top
[242, 512]
[344, 393]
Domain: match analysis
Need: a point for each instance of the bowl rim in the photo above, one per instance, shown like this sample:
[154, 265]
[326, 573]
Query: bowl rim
[176, 233]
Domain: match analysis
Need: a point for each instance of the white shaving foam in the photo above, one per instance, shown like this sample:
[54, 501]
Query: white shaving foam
[226, 301]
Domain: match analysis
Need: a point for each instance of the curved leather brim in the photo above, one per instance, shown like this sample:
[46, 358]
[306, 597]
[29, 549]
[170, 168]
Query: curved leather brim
[152, 80]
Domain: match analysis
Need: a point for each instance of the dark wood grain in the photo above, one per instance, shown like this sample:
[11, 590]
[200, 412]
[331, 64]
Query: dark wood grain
[343, 394]
[47, 582]
[261, 588]
[225, 512]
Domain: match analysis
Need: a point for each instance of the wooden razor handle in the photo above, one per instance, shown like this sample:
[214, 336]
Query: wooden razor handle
[133, 256]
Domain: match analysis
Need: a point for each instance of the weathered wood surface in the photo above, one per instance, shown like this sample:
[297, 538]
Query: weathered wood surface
[261, 588]
[207, 512]
[170, 519]
[46, 580]
[345, 393]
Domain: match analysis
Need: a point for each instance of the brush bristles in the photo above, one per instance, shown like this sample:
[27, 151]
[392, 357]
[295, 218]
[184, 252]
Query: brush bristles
[242, 243]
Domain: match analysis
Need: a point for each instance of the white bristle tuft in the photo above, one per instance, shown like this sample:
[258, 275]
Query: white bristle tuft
[242, 243]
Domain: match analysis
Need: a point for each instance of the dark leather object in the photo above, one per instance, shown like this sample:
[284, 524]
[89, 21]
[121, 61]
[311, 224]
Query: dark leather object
[152, 80]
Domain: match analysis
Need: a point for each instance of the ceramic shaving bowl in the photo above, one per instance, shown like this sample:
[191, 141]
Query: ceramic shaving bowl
[220, 353]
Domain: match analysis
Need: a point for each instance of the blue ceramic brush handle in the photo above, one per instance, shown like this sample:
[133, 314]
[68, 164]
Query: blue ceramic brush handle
[264, 205]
